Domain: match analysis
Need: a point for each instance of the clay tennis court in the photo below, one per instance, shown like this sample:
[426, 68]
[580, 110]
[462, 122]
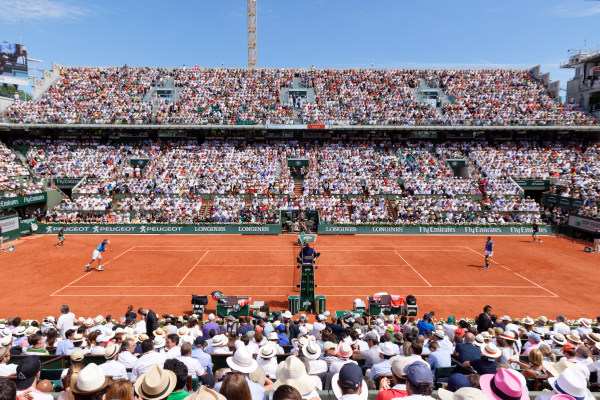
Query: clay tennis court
[161, 272]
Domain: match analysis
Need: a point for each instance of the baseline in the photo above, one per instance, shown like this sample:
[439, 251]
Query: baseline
[87, 273]
[516, 273]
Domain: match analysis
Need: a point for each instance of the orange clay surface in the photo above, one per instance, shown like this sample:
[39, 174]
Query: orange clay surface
[160, 272]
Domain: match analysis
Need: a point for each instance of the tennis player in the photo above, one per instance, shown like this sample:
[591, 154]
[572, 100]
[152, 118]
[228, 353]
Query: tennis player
[97, 254]
[534, 234]
[489, 251]
[61, 236]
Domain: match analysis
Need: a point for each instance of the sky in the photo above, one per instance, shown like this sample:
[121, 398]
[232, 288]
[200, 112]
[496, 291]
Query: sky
[298, 34]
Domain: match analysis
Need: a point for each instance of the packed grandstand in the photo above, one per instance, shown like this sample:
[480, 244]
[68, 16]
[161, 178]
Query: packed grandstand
[496, 97]
[299, 182]
[233, 181]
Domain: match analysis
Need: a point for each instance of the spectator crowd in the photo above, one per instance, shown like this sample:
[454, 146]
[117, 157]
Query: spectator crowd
[227, 96]
[247, 357]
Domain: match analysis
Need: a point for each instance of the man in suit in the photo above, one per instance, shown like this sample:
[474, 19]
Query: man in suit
[484, 321]
[151, 321]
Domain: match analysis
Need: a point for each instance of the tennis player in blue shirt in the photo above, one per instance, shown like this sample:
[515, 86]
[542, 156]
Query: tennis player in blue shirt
[489, 251]
[97, 254]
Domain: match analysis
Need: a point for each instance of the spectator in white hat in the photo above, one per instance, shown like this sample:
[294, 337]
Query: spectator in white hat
[98, 348]
[329, 353]
[569, 382]
[5, 368]
[242, 361]
[343, 352]
[312, 352]
[318, 326]
[386, 352]
[148, 359]
[91, 383]
[274, 339]
[267, 359]
[112, 368]
[489, 361]
[293, 372]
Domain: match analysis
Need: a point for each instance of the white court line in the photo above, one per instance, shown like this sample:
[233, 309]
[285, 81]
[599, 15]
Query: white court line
[395, 251]
[519, 275]
[336, 286]
[195, 265]
[295, 247]
[83, 276]
[285, 295]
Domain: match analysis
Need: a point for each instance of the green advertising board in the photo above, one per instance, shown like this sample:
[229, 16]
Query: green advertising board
[25, 225]
[456, 162]
[12, 202]
[10, 227]
[149, 229]
[533, 184]
[565, 202]
[66, 182]
[326, 229]
[139, 162]
[298, 162]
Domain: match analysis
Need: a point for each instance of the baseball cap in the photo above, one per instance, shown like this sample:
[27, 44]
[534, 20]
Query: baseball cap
[351, 372]
[569, 347]
[451, 319]
[200, 341]
[27, 370]
[76, 355]
[372, 335]
[418, 373]
[281, 328]
[535, 337]
[329, 345]
[457, 381]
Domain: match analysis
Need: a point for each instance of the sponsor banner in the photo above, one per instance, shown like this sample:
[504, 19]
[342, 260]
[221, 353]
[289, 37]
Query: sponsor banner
[25, 225]
[66, 182]
[296, 127]
[10, 227]
[429, 230]
[583, 223]
[456, 162]
[164, 229]
[532, 183]
[23, 200]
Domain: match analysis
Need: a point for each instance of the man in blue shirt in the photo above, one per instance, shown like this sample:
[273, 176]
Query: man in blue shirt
[438, 357]
[97, 254]
[425, 324]
[199, 354]
[489, 251]
[63, 347]
[283, 339]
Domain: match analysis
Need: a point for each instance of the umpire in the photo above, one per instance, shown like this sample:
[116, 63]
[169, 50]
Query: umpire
[308, 255]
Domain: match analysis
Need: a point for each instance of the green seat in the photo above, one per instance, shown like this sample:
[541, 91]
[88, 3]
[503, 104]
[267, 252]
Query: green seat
[441, 373]
[52, 374]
